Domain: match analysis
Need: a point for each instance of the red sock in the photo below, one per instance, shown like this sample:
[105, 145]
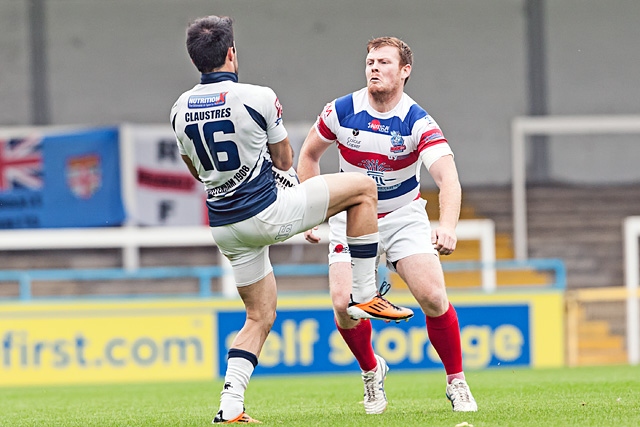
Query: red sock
[444, 334]
[358, 340]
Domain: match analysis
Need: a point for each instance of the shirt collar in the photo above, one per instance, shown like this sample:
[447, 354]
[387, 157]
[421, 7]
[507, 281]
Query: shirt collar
[218, 76]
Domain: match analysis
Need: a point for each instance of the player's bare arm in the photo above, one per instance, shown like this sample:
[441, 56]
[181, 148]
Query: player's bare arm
[309, 160]
[281, 154]
[445, 175]
[190, 166]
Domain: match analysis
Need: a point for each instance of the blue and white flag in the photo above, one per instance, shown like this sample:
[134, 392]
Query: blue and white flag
[69, 179]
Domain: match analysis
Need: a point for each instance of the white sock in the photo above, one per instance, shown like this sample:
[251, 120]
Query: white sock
[458, 376]
[236, 380]
[364, 250]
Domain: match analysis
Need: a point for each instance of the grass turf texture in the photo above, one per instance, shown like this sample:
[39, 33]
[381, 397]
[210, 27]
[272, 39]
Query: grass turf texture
[597, 396]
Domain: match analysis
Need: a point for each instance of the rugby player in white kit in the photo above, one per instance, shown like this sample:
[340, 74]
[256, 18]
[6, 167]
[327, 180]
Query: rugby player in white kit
[231, 135]
[382, 133]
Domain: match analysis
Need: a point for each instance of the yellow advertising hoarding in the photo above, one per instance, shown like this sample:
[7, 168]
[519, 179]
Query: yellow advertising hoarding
[76, 343]
[143, 341]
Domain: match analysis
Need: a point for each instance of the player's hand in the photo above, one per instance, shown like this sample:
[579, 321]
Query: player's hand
[444, 240]
[310, 237]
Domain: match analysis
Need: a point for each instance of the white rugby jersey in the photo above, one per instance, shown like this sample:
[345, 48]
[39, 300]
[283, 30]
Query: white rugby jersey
[224, 127]
[389, 147]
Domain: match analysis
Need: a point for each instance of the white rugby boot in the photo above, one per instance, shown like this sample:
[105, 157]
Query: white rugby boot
[375, 399]
[460, 396]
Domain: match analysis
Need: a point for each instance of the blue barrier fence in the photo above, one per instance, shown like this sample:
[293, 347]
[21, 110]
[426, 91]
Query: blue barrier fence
[204, 275]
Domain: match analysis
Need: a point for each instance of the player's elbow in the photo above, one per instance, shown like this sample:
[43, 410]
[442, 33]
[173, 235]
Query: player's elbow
[309, 158]
[282, 163]
[282, 155]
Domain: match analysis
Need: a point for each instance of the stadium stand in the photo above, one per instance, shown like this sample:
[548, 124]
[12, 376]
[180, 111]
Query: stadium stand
[580, 224]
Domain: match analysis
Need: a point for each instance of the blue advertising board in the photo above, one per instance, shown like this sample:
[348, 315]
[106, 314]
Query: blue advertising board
[306, 341]
[133, 341]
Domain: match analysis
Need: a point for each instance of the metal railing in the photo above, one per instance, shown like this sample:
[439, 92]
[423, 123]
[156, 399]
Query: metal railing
[204, 275]
[131, 239]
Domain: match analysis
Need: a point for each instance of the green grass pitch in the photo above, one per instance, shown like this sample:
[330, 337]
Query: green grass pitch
[581, 397]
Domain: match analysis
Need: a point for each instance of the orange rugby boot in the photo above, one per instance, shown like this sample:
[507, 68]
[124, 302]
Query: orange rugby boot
[379, 308]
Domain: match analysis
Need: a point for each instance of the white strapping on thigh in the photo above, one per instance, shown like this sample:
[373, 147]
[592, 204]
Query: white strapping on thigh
[317, 192]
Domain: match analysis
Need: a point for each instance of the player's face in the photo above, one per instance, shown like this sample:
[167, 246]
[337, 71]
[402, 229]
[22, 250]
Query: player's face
[384, 72]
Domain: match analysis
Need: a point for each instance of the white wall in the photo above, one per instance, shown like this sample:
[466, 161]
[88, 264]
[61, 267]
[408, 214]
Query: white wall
[124, 61]
[594, 68]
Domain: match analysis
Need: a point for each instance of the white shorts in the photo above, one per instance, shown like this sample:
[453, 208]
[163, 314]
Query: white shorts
[246, 243]
[403, 232]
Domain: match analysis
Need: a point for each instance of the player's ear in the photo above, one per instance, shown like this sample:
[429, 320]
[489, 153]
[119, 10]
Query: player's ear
[231, 53]
[405, 71]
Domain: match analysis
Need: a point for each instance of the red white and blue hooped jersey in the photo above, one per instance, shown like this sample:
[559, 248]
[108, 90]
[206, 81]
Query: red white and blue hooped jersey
[389, 147]
[224, 127]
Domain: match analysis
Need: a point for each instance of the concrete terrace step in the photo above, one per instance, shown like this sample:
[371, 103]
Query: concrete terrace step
[581, 224]
[606, 357]
[593, 328]
[473, 279]
[608, 343]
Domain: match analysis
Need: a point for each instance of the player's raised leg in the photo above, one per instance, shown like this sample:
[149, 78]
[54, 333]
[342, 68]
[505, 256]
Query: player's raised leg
[357, 194]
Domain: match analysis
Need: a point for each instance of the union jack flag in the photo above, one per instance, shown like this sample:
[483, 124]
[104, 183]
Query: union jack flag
[21, 163]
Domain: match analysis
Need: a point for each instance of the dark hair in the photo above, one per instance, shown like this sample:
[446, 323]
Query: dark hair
[406, 56]
[208, 41]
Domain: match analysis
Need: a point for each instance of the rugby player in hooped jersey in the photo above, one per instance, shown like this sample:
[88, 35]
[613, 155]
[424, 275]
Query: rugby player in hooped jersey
[231, 136]
[382, 133]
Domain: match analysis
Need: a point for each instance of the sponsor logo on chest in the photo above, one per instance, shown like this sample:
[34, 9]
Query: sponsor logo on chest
[397, 142]
[376, 126]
